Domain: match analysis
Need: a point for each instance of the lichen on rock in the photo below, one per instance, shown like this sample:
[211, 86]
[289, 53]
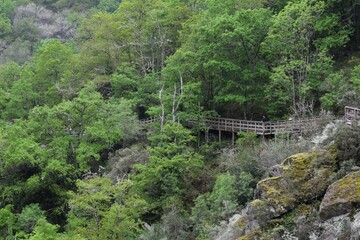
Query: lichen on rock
[341, 197]
[305, 177]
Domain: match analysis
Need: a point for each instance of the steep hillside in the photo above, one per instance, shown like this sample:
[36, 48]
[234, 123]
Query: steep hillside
[77, 76]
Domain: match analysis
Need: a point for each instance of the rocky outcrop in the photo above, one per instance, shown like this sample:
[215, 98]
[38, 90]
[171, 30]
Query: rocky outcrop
[299, 179]
[343, 196]
[48, 24]
[305, 176]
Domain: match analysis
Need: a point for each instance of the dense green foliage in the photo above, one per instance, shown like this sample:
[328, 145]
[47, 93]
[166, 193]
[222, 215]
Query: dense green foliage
[75, 77]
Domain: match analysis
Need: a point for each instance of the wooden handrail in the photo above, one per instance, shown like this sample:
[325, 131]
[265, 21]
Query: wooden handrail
[262, 128]
[351, 113]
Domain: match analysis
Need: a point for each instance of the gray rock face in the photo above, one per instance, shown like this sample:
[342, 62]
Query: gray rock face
[335, 228]
[341, 197]
[341, 227]
[355, 227]
[230, 232]
[276, 199]
[276, 170]
[50, 24]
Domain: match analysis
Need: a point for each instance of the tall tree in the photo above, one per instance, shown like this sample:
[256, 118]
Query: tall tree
[224, 53]
[295, 39]
[166, 180]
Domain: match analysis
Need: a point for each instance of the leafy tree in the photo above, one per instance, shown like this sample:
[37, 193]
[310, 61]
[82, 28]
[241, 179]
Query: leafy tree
[223, 53]
[335, 86]
[99, 205]
[77, 6]
[7, 7]
[51, 68]
[126, 219]
[5, 26]
[166, 180]
[87, 124]
[232, 6]
[7, 221]
[355, 78]
[44, 230]
[125, 83]
[210, 208]
[89, 204]
[297, 77]
[21, 159]
[146, 37]
[29, 216]
[44, 154]
[44, 81]
[9, 73]
[20, 97]
[108, 5]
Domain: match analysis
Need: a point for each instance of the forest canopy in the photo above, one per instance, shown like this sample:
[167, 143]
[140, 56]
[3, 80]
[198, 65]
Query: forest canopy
[76, 77]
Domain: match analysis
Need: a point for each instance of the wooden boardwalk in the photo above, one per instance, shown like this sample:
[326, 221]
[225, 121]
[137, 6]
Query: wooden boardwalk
[266, 128]
[351, 114]
[148, 121]
[261, 128]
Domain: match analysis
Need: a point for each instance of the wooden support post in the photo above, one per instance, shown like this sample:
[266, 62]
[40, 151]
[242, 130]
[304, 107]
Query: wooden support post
[219, 135]
[233, 138]
[207, 135]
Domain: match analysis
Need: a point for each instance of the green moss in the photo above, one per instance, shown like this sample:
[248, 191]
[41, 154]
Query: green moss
[275, 192]
[257, 203]
[288, 221]
[309, 174]
[260, 209]
[306, 176]
[348, 188]
[293, 158]
[256, 234]
[241, 223]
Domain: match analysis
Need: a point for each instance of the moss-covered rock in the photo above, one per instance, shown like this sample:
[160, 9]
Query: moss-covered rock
[256, 235]
[299, 179]
[275, 192]
[305, 177]
[341, 197]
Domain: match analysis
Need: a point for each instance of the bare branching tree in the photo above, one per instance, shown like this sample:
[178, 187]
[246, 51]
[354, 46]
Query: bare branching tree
[177, 102]
[162, 117]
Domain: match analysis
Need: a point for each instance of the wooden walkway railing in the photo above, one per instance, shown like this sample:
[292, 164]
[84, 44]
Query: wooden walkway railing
[259, 127]
[147, 121]
[265, 128]
[351, 114]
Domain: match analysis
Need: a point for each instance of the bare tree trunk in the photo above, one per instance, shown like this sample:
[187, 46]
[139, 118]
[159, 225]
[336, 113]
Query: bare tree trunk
[162, 117]
[173, 111]
[175, 105]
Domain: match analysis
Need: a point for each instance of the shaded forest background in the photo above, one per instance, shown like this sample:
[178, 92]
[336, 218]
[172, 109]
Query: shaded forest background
[75, 77]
